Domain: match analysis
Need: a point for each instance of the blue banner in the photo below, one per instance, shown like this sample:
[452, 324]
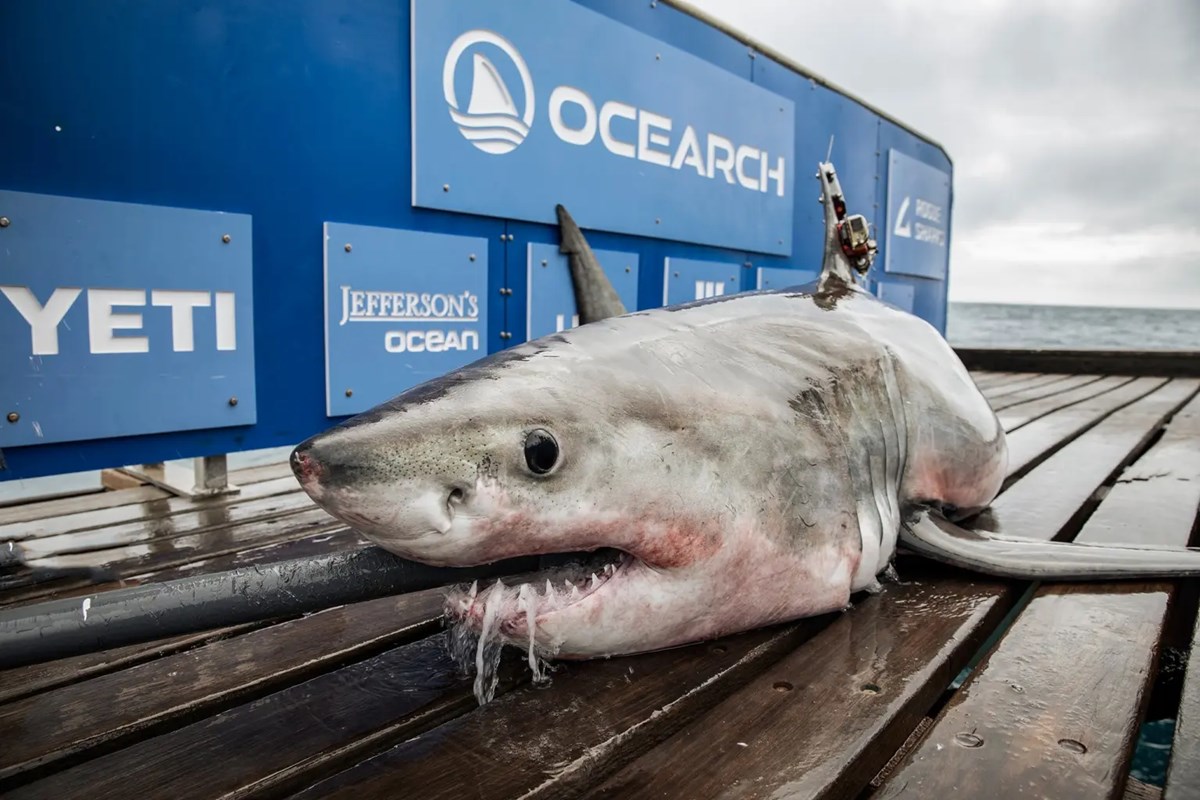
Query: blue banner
[119, 319]
[401, 307]
[687, 279]
[918, 218]
[783, 278]
[551, 299]
[519, 106]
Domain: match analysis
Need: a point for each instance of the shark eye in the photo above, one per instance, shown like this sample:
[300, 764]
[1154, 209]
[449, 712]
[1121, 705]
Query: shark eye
[541, 451]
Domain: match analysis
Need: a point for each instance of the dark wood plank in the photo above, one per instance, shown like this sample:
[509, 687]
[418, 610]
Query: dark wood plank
[553, 742]
[1021, 387]
[119, 706]
[1077, 470]
[1053, 710]
[1164, 485]
[155, 515]
[411, 687]
[1183, 772]
[1033, 442]
[24, 681]
[95, 501]
[1058, 703]
[1015, 417]
[1063, 384]
[1159, 363]
[823, 720]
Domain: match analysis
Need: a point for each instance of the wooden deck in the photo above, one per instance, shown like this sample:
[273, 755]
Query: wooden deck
[362, 700]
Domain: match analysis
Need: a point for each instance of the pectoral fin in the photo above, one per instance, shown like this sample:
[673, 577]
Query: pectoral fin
[934, 537]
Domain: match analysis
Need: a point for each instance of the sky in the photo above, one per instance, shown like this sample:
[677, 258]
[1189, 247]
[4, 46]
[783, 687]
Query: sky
[1074, 128]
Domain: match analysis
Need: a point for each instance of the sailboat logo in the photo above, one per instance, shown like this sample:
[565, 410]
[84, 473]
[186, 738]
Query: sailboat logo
[492, 121]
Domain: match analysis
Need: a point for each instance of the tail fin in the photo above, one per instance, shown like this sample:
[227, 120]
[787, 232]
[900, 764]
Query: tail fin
[1009, 557]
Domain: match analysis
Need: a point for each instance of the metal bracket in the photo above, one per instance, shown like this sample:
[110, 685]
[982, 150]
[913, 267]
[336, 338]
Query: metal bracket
[209, 477]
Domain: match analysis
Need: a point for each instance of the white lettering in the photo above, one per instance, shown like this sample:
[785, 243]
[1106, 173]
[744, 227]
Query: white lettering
[560, 322]
[776, 173]
[725, 163]
[689, 152]
[569, 94]
[103, 323]
[927, 210]
[181, 304]
[430, 341]
[624, 111]
[226, 321]
[43, 320]
[744, 152]
[646, 122]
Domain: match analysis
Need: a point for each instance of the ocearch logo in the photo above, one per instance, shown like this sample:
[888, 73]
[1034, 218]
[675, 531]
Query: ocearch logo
[491, 121]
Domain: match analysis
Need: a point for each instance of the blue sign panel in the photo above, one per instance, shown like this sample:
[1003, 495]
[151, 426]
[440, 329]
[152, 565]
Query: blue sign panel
[551, 298]
[686, 279]
[918, 218]
[781, 278]
[120, 319]
[901, 295]
[401, 307]
[631, 134]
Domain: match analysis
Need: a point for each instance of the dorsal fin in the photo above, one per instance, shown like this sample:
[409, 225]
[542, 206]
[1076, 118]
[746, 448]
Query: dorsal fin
[835, 265]
[595, 297]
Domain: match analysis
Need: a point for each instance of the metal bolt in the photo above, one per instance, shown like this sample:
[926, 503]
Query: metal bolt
[227, 238]
[544, 262]
[233, 401]
[748, 265]
[471, 257]
[676, 274]
[445, 187]
[657, 221]
[658, 56]
[349, 393]
[13, 416]
[348, 247]
[753, 54]
[5, 222]
[505, 335]
[627, 269]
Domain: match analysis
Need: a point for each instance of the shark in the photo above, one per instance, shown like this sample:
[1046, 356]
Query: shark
[709, 467]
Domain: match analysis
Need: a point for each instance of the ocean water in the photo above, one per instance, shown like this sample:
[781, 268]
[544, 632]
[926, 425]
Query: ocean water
[1072, 327]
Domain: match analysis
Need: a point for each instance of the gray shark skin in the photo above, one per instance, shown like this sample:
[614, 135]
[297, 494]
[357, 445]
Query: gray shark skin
[738, 461]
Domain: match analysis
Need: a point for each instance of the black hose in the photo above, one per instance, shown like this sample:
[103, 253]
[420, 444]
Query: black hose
[59, 628]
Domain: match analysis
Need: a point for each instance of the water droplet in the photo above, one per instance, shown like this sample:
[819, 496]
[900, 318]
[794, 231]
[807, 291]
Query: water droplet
[871, 687]
[718, 648]
[782, 686]
[1018, 688]
[968, 739]
[1072, 745]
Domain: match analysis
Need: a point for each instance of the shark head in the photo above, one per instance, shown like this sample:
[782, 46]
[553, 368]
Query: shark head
[533, 452]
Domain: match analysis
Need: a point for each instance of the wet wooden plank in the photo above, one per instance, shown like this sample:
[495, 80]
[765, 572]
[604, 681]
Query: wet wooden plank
[1014, 417]
[24, 681]
[1054, 709]
[262, 472]
[1064, 384]
[824, 719]
[1183, 773]
[984, 379]
[149, 518]
[552, 742]
[1058, 703]
[1077, 470]
[95, 501]
[1164, 484]
[1027, 446]
[216, 757]
[120, 706]
[1022, 387]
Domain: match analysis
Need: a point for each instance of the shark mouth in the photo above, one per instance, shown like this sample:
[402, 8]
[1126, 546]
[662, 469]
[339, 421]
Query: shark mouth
[485, 619]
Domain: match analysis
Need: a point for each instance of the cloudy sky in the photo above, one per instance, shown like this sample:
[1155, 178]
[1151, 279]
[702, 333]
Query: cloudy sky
[1074, 128]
